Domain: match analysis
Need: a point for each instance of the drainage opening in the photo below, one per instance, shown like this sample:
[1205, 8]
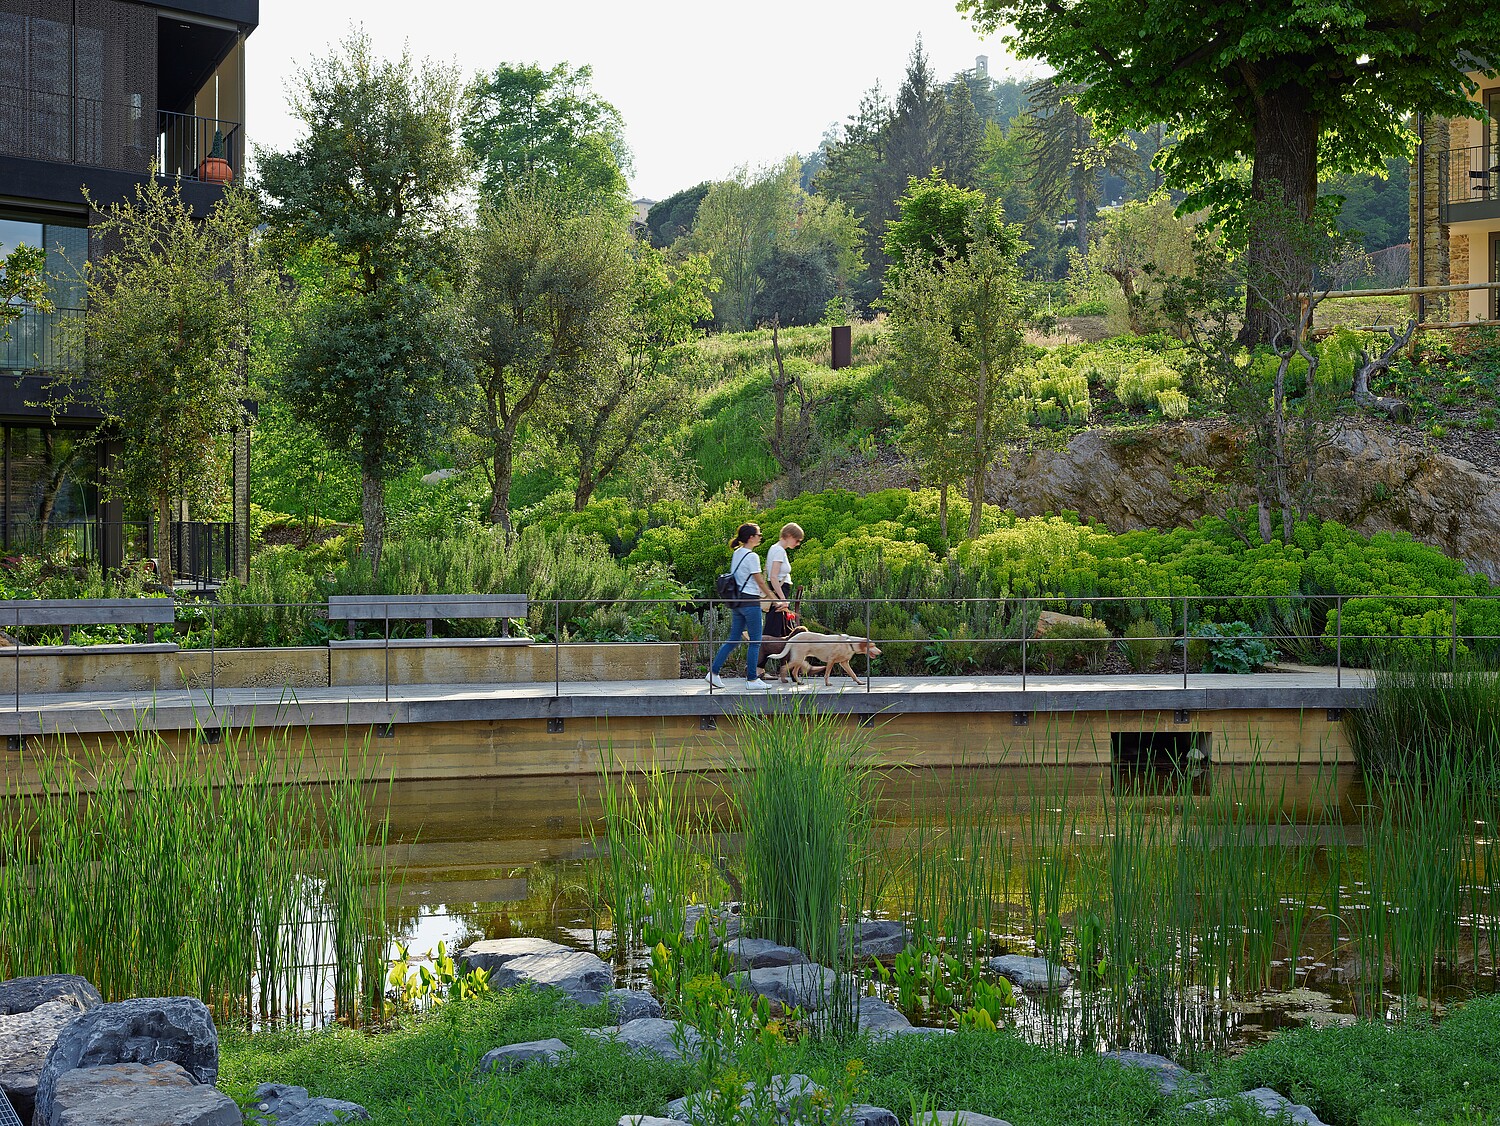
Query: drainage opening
[1160, 762]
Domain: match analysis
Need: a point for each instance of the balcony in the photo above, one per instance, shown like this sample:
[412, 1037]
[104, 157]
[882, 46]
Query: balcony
[1469, 184]
[123, 135]
[40, 341]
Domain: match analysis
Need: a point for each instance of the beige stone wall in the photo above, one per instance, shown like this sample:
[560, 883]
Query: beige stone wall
[1458, 271]
[1428, 228]
[502, 664]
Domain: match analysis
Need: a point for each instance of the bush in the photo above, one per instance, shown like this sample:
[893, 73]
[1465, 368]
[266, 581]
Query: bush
[1144, 644]
[1083, 645]
[1232, 647]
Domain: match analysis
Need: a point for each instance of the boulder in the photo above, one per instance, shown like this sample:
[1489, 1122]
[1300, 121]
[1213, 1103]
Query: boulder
[875, 938]
[653, 1036]
[26, 1038]
[1049, 620]
[956, 1118]
[144, 1030]
[881, 1019]
[758, 953]
[1270, 1103]
[22, 994]
[649, 1120]
[726, 921]
[786, 1095]
[546, 965]
[1168, 1075]
[862, 1114]
[136, 1094]
[277, 1104]
[807, 987]
[1030, 973]
[626, 1005]
[513, 1057]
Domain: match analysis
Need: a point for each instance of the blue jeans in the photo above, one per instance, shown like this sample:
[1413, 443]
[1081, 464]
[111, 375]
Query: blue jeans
[745, 619]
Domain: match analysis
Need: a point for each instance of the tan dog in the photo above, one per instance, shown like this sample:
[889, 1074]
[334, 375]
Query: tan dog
[835, 650]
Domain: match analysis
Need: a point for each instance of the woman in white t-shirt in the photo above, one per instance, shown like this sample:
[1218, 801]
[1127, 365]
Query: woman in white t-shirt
[745, 619]
[779, 578]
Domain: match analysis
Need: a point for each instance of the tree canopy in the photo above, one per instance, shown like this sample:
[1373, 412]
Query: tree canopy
[1294, 86]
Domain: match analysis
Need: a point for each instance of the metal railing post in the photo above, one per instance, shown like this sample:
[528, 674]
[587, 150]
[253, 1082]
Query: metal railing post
[213, 613]
[1453, 648]
[386, 609]
[17, 630]
[557, 647]
[1184, 640]
[1338, 654]
[869, 660]
[1024, 631]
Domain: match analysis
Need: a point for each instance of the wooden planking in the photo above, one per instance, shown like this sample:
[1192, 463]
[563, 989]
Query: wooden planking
[87, 611]
[415, 607]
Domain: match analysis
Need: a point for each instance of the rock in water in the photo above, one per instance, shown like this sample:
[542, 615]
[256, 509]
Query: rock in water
[649, 1120]
[1030, 973]
[1168, 1075]
[136, 1094]
[278, 1104]
[22, 994]
[535, 961]
[759, 953]
[862, 1114]
[513, 1057]
[956, 1118]
[144, 1030]
[876, 938]
[492, 953]
[808, 987]
[669, 1039]
[626, 1005]
[25, 1040]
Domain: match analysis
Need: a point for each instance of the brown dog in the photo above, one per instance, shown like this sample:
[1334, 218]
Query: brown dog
[835, 650]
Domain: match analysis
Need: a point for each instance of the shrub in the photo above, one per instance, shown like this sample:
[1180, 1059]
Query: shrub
[1139, 386]
[1082, 645]
[1173, 404]
[1143, 644]
[1233, 647]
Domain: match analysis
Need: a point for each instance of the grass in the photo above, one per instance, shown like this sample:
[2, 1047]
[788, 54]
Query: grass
[423, 1071]
[1422, 714]
[155, 874]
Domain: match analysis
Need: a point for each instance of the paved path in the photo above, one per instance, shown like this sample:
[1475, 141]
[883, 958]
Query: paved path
[374, 704]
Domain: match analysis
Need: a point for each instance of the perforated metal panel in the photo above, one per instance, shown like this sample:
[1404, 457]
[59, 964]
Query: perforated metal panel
[8, 1116]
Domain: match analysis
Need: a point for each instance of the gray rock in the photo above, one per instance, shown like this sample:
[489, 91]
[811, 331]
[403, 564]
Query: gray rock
[492, 953]
[649, 1120]
[862, 1114]
[513, 1057]
[278, 1104]
[875, 938]
[808, 987]
[654, 1036]
[1030, 973]
[143, 1030]
[537, 962]
[956, 1118]
[1270, 1103]
[26, 1038]
[136, 1094]
[726, 922]
[22, 994]
[786, 1095]
[759, 953]
[626, 1005]
[881, 1019]
[1169, 1076]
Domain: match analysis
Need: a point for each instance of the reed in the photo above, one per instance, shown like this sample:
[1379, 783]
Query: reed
[215, 873]
[1422, 714]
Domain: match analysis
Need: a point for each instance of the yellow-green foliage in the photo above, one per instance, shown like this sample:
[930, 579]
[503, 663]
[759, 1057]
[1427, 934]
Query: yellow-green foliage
[1054, 392]
[1139, 386]
[1173, 404]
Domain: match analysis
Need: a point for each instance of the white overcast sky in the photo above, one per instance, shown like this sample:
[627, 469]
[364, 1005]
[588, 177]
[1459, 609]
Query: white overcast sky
[703, 85]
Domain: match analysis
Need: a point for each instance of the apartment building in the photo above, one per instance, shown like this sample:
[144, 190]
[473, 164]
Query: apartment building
[97, 93]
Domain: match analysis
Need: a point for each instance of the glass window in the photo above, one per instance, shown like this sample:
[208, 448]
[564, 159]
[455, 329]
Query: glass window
[50, 484]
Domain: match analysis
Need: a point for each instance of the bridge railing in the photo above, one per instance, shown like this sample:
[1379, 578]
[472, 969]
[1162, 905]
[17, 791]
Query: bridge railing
[1023, 637]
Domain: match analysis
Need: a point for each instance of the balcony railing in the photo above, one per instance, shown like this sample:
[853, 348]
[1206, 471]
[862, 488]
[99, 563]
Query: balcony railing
[38, 339]
[1469, 175]
[128, 135]
[204, 554]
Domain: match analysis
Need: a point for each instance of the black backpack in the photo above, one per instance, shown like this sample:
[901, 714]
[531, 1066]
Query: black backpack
[727, 586]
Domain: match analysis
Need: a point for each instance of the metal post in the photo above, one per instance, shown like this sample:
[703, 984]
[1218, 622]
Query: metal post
[1024, 603]
[1184, 640]
[1453, 650]
[1338, 657]
[387, 611]
[17, 629]
[869, 660]
[212, 647]
[556, 647]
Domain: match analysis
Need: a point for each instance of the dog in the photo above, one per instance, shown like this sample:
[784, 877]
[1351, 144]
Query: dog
[835, 650]
[775, 648]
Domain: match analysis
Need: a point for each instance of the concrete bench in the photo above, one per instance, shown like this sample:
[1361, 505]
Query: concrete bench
[356, 608]
[70, 612]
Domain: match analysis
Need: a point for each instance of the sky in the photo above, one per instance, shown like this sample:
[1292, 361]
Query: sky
[704, 86]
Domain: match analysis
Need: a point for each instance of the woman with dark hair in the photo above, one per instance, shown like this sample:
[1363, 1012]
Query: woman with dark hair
[745, 620]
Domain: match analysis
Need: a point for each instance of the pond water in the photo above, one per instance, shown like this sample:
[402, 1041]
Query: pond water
[496, 858]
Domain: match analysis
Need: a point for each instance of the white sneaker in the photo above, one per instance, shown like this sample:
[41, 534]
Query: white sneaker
[756, 686]
[714, 681]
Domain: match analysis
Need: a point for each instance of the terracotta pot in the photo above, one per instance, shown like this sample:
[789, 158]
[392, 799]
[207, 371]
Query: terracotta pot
[215, 170]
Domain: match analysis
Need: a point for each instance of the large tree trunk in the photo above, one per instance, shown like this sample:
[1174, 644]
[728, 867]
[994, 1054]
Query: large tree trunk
[943, 511]
[1284, 179]
[1081, 203]
[372, 509]
[501, 477]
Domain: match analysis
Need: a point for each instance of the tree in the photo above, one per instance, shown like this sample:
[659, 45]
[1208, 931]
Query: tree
[1142, 246]
[1068, 158]
[673, 217]
[961, 143]
[937, 224]
[171, 317]
[379, 360]
[957, 334]
[1296, 88]
[547, 297]
[795, 285]
[23, 281]
[738, 225]
[612, 410]
[523, 123]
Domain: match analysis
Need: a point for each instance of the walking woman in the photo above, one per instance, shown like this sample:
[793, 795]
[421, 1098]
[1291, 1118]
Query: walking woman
[745, 620]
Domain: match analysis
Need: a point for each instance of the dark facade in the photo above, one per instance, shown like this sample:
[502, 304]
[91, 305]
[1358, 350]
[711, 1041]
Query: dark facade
[96, 93]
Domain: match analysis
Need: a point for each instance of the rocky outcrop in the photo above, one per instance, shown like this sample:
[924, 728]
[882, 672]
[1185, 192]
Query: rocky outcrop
[136, 1094]
[543, 964]
[626, 1005]
[25, 1041]
[1371, 480]
[1167, 1074]
[22, 994]
[146, 1030]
